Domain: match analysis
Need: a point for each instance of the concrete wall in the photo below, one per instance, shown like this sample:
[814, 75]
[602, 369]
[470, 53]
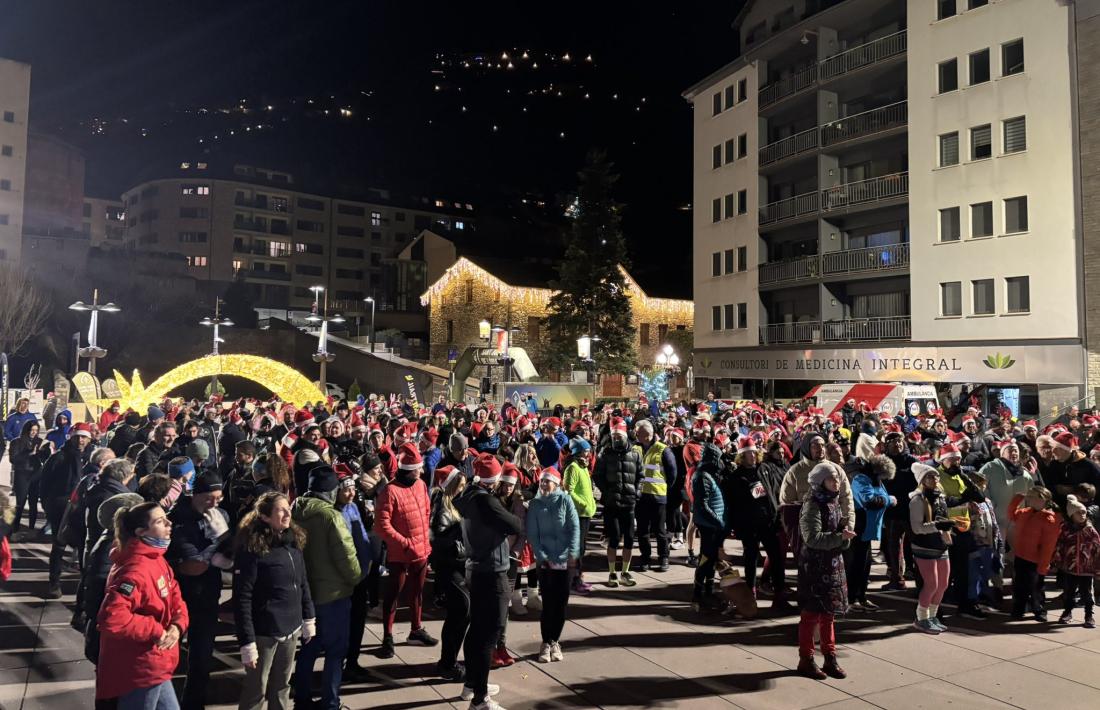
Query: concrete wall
[1088, 108]
[54, 198]
[15, 87]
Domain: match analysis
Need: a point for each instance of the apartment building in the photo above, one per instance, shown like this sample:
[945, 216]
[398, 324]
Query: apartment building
[15, 88]
[282, 238]
[104, 221]
[889, 190]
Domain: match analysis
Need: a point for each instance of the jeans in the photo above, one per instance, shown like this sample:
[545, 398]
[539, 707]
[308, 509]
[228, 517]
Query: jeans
[202, 628]
[487, 598]
[980, 572]
[936, 575]
[1072, 585]
[333, 620]
[406, 581]
[1027, 588]
[651, 521]
[859, 569]
[822, 621]
[899, 553]
[359, 609]
[710, 541]
[555, 598]
[270, 679]
[451, 583]
[158, 697]
[751, 540]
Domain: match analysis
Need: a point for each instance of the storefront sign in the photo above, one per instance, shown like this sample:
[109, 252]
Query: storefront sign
[999, 363]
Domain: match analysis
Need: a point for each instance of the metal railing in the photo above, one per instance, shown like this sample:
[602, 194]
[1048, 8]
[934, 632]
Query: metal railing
[791, 145]
[886, 258]
[862, 56]
[251, 225]
[852, 330]
[779, 271]
[865, 191]
[273, 275]
[866, 123]
[783, 88]
[806, 203]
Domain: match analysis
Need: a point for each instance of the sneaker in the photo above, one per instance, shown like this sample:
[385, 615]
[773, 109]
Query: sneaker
[555, 652]
[1090, 623]
[856, 606]
[692, 560]
[676, 544]
[869, 605]
[659, 566]
[53, 591]
[534, 602]
[925, 626]
[628, 579]
[1066, 617]
[1041, 617]
[581, 587]
[894, 587]
[612, 580]
[455, 673]
[489, 704]
[973, 611]
[935, 621]
[544, 653]
[387, 647]
[421, 637]
[468, 692]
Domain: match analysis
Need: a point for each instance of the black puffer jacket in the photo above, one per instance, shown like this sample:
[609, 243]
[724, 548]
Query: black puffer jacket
[486, 526]
[62, 471]
[270, 592]
[617, 476]
[448, 549]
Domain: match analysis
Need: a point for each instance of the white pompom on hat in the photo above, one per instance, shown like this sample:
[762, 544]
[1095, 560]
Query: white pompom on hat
[1074, 506]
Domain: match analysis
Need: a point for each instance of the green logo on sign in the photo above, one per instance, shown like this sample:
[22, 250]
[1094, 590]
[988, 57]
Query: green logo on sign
[998, 361]
[705, 362]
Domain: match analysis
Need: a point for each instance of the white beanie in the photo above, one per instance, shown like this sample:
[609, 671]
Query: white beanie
[921, 470]
[1074, 506]
[819, 473]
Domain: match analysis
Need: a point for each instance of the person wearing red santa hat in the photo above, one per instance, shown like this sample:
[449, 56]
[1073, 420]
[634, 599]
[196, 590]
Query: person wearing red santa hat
[402, 513]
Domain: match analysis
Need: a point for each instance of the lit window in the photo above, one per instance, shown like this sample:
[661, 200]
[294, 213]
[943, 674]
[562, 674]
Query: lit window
[185, 166]
[200, 166]
[196, 261]
[440, 203]
[376, 219]
[204, 190]
[459, 224]
[237, 264]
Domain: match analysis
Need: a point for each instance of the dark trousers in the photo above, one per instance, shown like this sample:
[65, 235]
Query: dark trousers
[1072, 585]
[201, 631]
[513, 575]
[374, 576]
[859, 570]
[487, 598]
[959, 554]
[332, 640]
[710, 541]
[22, 487]
[751, 540]
[898, 552]
[406, 581]
[451, 584]
[651, 521]
[555, 598]
[1027, 588]
[55, 511]
[360, 606]
[585, 524]
[675, 520]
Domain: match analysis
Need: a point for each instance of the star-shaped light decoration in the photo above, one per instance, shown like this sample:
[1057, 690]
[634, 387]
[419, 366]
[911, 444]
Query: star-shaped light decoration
[133, 393]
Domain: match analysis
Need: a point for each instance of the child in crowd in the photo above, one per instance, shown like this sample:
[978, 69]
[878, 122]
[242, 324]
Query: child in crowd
[987, 554]
[1086, 496]
[1035, 535]
[1077, 557]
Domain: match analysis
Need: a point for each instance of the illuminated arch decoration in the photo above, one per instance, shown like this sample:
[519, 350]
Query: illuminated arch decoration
[285, 382]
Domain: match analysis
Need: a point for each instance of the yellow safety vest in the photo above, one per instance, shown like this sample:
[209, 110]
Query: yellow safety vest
[653, 475]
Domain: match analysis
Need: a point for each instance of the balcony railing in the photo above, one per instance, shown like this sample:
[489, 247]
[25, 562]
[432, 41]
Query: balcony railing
[865, 191]
[273, 275]
[886, 258]
[864, 124]
[791, 145]
[806, 203]
[252, 225]
[862, 56]
[837, 65]
[796, 269]
[855, 330]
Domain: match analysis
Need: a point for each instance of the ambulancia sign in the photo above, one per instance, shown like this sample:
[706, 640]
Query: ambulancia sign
[997, 364]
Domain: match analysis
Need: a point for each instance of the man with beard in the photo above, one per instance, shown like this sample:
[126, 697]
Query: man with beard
[159, 451]
[796, 486]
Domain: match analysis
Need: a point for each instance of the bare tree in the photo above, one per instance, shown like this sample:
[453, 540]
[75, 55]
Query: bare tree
[24, 308]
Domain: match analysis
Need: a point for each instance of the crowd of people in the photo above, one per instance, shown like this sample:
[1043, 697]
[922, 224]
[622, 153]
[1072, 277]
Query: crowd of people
[314, 516]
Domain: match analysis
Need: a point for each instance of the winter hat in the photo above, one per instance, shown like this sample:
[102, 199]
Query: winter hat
[198, 449]
[444, 474]
[1065, 441]
[108, 508]
[579, 446]
[745, 443]
[155, 412]
[551, 474]
[207, 483]
[178, 468]
[322, 479]
[408, 431]
[509, 474]
[132, 418]
[948, 451]
[819, 473]
[357, 423]
[369, 461]
[431, 436]
[81, 429]
[408, 457]
[677, 432]
[345, 474]
[618, 425]
[487, 469]
[303, 418]
[306, 456]
[1074, 506]
[921, 470]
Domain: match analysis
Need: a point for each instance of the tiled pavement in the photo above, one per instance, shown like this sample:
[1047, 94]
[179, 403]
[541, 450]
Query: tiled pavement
[631, 648]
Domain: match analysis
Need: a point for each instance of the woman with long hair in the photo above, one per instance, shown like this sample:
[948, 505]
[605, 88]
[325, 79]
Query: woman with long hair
[272, 606]
[448, 561]
[931, 528]
[526, 460]
[27, 454]
[142, 616]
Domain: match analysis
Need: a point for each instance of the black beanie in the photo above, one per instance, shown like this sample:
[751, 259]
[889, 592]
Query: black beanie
[323, 479]
[207, 483]
[369, 460]
[133, 418]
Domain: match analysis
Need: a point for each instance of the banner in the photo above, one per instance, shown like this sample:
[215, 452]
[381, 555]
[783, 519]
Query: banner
[61, 390]
[411, 384]
[88, 387]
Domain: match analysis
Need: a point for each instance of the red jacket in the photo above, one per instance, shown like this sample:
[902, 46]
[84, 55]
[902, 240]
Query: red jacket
[142, 600]
[1034, 533]
[402, 519]
[1078, 550]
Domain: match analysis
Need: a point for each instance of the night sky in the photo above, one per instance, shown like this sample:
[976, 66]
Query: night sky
[143, 84]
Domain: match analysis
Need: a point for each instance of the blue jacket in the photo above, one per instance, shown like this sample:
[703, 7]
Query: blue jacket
[359, 535]
[549, 451]
[60, 432]
[553, 528]
[708, 508]
[871, 500]
[14, 424]
[431, 457]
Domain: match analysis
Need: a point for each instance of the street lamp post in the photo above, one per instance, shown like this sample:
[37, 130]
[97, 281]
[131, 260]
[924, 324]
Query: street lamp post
[93, 351]
[217, 322]
[320, 315]
[669, 361]
[370, 300]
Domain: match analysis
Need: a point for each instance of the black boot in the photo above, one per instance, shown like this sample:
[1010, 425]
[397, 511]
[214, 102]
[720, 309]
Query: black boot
[832, 668]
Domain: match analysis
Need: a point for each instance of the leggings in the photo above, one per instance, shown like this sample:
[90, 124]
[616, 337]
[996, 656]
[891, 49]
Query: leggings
[936, 575]
[555, 598]
[406, 579]
[452, 583]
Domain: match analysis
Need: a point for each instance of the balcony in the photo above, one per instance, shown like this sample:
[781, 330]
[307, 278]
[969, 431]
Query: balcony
[862, 192]
[272, 275]
[863, 56]
[791, 145]
[251, 225]
[262, 202]
[855, 330]
[868, 123]
[794, 270]
[836, 263]
[797, 206]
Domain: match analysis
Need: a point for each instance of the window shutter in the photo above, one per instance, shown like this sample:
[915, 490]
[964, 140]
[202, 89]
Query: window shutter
[1015, 135]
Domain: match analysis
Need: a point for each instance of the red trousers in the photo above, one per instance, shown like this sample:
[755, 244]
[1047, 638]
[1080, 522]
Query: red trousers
[806, 625]
[405, 583]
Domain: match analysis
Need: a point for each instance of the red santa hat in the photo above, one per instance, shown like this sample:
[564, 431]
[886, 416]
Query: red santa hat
[551, 474]
[408, 458]
[409, 431]
[864, 407]
[1089, 420]
[430, 435]
[487, 469]
[1030, 424]
[948, 451]
[721, 438]
[676, 431]
[746, 443]
[618, 424]
[509, 473]
[357, 423]
[303, 418]
[1065, 441]
[524, 424]
[81, 429]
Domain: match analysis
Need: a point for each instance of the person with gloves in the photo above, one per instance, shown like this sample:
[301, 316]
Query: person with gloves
[198, 553]
[272, 606]
[577, 482]
[872, 501]
[554, 530]
[332, 568]
[932, 532]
